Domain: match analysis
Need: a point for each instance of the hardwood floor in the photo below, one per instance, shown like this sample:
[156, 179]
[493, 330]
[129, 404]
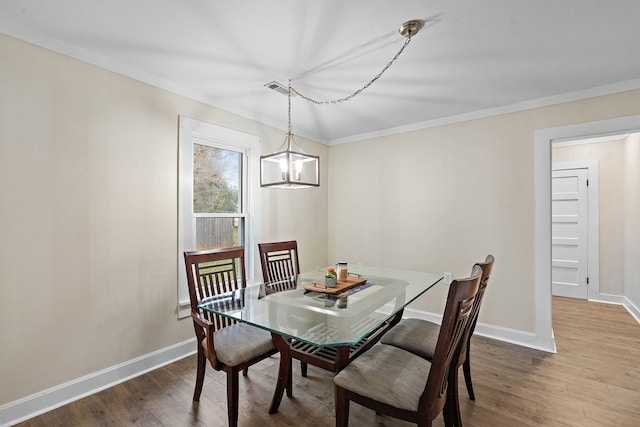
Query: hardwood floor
[593, 380]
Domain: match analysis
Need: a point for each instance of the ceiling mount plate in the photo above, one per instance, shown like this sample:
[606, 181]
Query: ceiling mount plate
[411, 28]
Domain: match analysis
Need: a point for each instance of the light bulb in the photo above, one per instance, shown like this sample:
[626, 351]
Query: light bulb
[298, 169]
[283, 168]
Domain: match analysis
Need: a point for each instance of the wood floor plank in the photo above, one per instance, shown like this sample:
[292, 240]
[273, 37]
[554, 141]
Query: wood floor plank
[593, 381]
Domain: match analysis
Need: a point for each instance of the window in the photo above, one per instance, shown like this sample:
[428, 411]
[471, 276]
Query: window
[218, 194]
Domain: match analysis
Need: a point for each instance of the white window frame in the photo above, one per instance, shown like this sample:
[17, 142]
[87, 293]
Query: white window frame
[193, 131]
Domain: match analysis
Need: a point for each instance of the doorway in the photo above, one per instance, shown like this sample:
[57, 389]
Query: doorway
[543, 140]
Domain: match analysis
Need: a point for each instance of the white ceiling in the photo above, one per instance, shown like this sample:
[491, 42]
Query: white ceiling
[473, 58]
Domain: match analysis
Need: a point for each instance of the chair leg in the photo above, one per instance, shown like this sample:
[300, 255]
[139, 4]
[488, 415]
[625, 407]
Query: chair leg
[303, 368]
[451, 410]
[202, 365]
[466, 368]
[447, 414]
[342, 407]
[232, 397]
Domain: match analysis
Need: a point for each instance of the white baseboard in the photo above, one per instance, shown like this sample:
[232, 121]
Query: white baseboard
[619, 300]
[632, 309]
[608, 299]
[44, 401]
[513, 336]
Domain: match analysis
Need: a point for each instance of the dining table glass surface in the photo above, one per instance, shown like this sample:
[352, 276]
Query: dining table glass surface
[300, 307]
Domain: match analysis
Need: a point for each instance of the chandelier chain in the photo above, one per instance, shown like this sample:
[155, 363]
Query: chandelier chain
[289, 98]
[346, 98]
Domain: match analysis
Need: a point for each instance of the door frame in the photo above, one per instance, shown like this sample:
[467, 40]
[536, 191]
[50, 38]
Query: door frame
[543, 138]
[593, 220]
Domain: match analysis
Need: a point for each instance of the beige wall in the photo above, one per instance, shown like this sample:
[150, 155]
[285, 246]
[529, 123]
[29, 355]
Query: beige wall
[88, 217]
[611, 175]
[440, 199]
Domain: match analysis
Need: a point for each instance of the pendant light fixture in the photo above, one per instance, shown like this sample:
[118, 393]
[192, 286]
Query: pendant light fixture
[290, 167]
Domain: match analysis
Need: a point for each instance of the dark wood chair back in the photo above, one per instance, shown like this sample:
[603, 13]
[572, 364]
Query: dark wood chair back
[454, 328]
[486, 267]
[280, 265]
[210, 273]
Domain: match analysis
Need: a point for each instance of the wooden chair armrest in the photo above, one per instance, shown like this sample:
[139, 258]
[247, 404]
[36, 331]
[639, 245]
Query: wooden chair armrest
[201, 321]
[209, 329]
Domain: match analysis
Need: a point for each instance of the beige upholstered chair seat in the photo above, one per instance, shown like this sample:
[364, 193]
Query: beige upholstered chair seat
[396, 382]
[240, 343]
[415, 335]
[387, 374]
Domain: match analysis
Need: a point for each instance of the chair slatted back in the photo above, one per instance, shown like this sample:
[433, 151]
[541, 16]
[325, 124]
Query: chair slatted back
[455, 323]
[214, 272]
[280, 264]
[486, 267]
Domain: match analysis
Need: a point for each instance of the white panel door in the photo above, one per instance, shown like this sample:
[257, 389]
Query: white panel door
[569, 243]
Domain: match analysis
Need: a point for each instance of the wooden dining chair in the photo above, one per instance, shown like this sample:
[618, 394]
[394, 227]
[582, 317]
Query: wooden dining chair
[419, 336]
[280, 266]
[400, 384]
[228, 345]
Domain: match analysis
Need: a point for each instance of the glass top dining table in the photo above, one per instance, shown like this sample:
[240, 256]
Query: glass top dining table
[306, 319]
[299, 307]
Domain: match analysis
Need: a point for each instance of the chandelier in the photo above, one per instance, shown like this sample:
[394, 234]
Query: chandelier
[290, 167]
